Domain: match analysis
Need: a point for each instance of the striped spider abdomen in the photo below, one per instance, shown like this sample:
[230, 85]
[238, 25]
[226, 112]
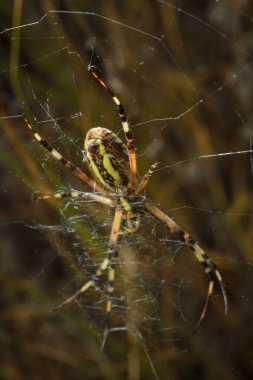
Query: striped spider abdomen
[108, 159]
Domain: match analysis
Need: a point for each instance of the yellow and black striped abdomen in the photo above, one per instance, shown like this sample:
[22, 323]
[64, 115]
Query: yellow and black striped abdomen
[108, 158]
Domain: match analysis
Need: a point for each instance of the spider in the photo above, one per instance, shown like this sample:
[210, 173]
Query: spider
[117, 184]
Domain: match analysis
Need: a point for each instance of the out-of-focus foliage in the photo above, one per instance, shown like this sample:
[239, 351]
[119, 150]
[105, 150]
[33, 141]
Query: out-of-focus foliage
[191, 60]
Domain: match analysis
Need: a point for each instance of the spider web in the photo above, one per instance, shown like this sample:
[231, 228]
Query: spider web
[183, 71]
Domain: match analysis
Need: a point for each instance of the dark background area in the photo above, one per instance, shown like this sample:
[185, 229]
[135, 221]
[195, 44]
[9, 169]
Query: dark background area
[183, 70]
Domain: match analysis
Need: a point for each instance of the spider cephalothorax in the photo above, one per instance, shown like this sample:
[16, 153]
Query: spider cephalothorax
[117, 185]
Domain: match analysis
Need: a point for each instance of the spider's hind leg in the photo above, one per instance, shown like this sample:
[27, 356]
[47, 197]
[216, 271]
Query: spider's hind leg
[59, 157]
[127, 128]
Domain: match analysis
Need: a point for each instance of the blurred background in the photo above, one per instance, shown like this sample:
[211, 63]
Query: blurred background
[183, 70]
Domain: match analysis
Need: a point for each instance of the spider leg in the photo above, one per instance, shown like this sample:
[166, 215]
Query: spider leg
[111, 253]
[73, 195]
[110, 285]
[58, 156]
[132, 220]
[111, 275]
[145, 179]
[210, 267]
[126, 127]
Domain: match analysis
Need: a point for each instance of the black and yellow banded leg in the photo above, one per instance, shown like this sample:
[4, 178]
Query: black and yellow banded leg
[109, 299]
[210, 267]
[126, 126]
[145, 179]
[111, 275]
[74, 195]
[110, 288]
[131, 219]
[110, 285]
[58, 156]
[111, 252]
[211, 280]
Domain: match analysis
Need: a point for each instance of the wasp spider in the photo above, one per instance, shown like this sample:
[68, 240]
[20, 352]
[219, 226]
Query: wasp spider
[117, 184]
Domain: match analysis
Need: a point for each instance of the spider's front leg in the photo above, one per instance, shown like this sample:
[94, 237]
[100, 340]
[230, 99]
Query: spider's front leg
[132, 219]
[210, 267]
[112, 252]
